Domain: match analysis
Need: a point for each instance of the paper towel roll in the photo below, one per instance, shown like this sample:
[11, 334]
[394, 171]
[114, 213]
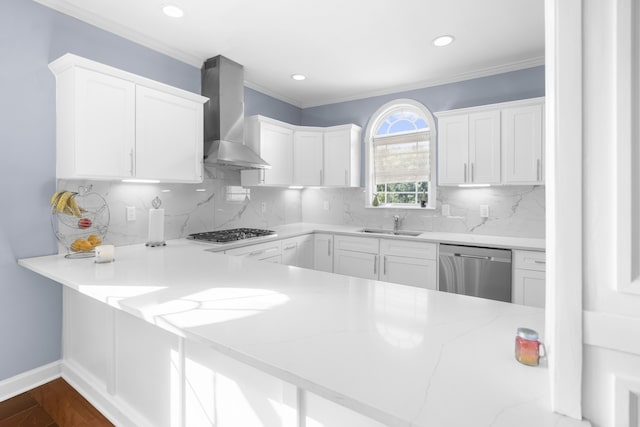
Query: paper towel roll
[156, 225]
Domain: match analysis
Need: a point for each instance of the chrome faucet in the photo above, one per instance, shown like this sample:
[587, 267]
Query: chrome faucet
[396, 220]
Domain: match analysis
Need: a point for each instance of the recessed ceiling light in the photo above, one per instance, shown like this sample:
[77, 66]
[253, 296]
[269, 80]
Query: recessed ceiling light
[172, 10]
[443, 40]
[298, 76]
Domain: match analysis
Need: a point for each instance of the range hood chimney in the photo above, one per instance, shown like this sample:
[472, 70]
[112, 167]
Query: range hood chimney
[223, 84]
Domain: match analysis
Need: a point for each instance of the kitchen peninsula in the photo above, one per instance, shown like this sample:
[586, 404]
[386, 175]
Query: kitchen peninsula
[162, 336]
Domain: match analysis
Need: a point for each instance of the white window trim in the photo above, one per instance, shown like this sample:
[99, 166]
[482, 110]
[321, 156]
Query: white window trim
[373, 124]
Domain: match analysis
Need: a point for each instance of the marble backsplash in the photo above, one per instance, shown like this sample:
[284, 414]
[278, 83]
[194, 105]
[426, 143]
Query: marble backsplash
[516, 211]
[220, 202]
[217, 203]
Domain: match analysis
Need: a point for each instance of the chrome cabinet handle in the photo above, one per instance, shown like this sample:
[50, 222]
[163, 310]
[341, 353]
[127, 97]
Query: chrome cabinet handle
[465, 172]
[384, 265]
[254, 253]
[537, 261]
[473, 175]
[538, 170]
[321, 177]
[131, 162]
[293, 246]
[375, 265]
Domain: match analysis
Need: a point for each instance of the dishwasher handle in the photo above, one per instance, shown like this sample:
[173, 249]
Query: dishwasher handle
[487, 258]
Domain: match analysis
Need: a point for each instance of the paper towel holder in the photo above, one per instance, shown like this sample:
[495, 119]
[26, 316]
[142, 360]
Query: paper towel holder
[156, 203]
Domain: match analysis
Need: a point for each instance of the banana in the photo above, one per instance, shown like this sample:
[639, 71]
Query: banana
[62, 201]
[54, 198]
[73, 205]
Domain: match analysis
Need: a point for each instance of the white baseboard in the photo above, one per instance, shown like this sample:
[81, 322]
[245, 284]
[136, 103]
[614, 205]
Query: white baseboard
[27, 380]
[112, 407]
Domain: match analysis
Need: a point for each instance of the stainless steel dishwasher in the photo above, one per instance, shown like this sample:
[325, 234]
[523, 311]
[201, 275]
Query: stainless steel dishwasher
[475, 271]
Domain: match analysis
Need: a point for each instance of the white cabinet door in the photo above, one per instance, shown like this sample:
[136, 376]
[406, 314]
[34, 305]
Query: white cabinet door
[453, 149]
[169, 133]
[356, 264]
[298, 251]
[529, 287]
[308, 157]
[323, 252]
[484, 147]
[409, 263]
[409, 271]
[528, 281]
[522, 145]
[342, 156]
[274, 143]
[95, 126]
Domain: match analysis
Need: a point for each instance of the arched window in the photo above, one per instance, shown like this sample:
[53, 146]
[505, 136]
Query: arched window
[401, 151]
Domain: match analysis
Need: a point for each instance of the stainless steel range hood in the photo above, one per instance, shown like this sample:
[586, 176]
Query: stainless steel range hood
[223, 84]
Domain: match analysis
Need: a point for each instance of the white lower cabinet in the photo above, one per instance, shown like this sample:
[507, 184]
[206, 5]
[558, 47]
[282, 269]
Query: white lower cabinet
[389, 260]
[529, 278]
[323, 252]
[356, 256]
[409, 263]
[298, 251]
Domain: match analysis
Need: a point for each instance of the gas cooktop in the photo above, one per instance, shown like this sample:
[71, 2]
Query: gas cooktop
[230, 235]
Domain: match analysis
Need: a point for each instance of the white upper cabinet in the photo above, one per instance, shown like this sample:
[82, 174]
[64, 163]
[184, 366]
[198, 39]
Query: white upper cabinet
[308, 157]
[169, 140]
[112, 124]
[522, 144]
[302, 155]
[342, 156]
[491, 144]
[453, 149]
[273, 141]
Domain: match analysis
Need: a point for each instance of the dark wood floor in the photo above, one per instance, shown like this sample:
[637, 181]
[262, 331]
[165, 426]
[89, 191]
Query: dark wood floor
[55, 404]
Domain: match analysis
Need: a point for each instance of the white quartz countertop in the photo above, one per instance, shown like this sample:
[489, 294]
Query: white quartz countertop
[402, 355]
[292, 230]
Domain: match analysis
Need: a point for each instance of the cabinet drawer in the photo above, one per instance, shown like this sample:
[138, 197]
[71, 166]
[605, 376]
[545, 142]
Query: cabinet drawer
[529, 260]
[356, 244]
[404, 248]
[259, 251]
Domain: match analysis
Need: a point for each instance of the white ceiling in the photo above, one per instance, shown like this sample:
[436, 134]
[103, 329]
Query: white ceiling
[348, 49]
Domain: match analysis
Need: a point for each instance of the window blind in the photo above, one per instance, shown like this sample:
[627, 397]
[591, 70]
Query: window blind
[402, 158]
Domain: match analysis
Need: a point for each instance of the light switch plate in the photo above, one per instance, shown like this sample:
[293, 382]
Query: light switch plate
[446, 210]
[325, 205]
[484, 211]
[263, 207]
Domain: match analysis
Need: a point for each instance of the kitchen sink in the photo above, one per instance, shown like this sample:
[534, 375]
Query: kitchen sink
[391, 232]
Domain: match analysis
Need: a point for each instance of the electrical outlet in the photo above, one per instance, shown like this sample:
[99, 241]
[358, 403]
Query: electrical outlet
[484, 211]
[446, 210]
[131, 213]
[325, 205]
[263, 207]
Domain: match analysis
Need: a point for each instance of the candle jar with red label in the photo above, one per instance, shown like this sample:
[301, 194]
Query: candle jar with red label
[528, 347]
